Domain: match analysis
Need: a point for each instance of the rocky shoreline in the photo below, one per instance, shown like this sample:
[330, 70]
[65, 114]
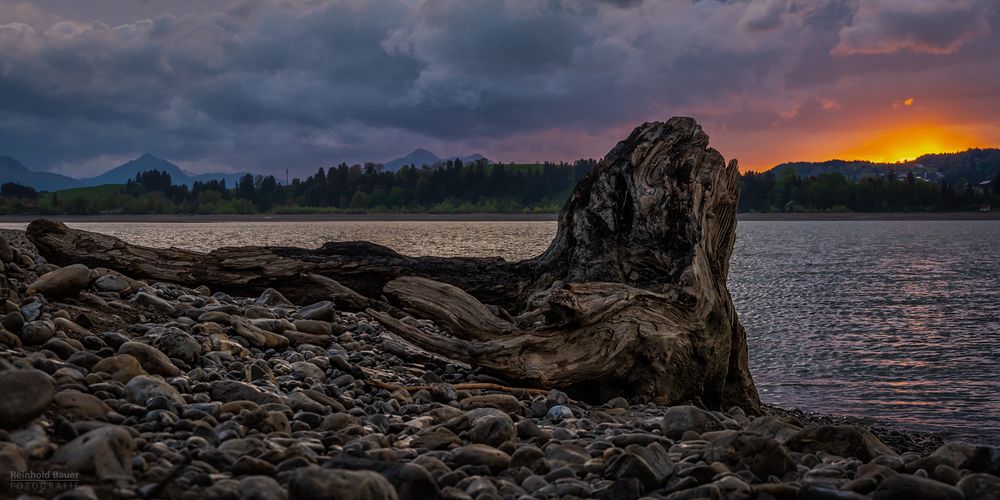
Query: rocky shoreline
[116, 388]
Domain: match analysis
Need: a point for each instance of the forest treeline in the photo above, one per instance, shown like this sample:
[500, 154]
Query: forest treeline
[480, 187]
[451, 187]
[785, 191]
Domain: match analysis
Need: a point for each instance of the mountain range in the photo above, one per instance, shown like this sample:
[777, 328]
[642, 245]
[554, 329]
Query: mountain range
[147, 162]
[971, 166]
[421, 157]
[12, 170]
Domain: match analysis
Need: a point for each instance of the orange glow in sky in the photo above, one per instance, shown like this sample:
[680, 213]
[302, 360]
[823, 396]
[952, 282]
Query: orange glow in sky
[868, 141]
[899, 129]
[907, 143]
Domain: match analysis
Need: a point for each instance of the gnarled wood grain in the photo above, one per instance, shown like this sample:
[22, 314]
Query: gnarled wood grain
[629, 299]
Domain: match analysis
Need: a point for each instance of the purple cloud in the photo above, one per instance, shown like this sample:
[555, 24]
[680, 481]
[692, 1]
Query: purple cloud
[265, 85]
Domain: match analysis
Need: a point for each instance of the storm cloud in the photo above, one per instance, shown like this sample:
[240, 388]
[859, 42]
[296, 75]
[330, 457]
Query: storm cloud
[268, 85]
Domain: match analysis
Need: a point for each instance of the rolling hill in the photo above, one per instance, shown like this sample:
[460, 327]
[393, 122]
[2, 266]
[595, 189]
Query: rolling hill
[68, 196]
[970, 166]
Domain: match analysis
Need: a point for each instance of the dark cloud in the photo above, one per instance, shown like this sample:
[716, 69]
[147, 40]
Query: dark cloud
[932, 26]
[269, 84]
[766, 15]
[623, 3]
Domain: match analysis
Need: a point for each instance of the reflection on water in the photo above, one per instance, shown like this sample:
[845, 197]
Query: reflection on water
[896, 321]
[508, 239]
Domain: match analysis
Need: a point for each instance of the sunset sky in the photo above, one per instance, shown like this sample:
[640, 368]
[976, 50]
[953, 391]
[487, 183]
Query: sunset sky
[264, 85]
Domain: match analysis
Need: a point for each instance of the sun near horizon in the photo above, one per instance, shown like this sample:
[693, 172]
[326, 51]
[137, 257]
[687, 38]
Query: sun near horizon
[893, 145]
[910, 142]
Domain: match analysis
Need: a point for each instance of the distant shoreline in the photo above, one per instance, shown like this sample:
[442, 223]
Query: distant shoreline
[358, 217]
[868, 216]
[483, 217]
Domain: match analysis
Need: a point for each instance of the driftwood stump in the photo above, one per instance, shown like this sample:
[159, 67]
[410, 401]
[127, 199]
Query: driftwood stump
[629, 299]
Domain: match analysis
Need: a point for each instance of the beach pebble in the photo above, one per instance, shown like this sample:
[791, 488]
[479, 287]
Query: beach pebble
[112, 283]
[315, 483]
[481, 454]
[680, 419]
[494, 428]
[144, 388]
[179, 345]
[123, 367]
[13, 321]
[271, 298]
[63, 282]
[151, 359]
[37, 332]
[558, 413]
[6, 252]
[233, 390]
[26, 394]
[152, 301]
[910, 487]
[320, 311]
[77, 405]
[105, 452]
[840, 440]
[261, 488]
[979, 486]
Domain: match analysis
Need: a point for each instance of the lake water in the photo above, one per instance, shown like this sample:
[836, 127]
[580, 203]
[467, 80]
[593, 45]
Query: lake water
[895, 321]
[898, 321]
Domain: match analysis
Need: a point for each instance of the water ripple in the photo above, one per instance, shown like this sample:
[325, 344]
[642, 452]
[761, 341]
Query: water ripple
[896, 321]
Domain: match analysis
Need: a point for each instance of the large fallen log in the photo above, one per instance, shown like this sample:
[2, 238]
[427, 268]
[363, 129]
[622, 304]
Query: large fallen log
[359, 265]
[629, 299]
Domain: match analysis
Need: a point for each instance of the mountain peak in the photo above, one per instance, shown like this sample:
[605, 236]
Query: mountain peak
[418, 157]
[148, 158]
[421, 157]
[146, 162]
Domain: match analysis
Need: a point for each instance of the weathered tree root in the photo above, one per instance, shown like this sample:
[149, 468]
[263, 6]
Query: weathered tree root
[629, 299]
